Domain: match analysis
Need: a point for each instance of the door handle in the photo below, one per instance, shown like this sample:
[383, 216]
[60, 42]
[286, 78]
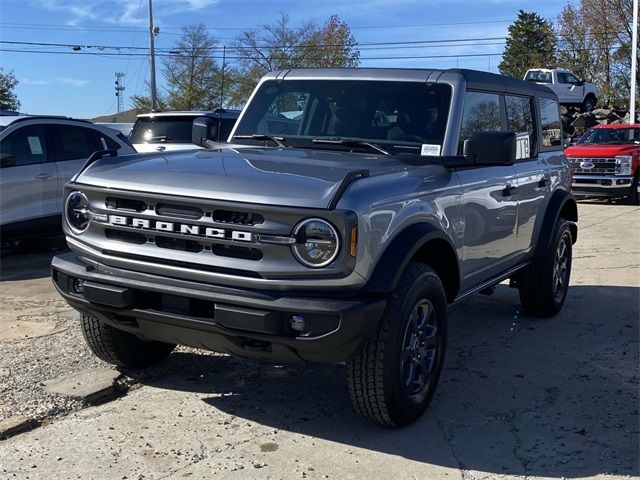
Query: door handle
[44, 176]
[544, 182]
[509, 190]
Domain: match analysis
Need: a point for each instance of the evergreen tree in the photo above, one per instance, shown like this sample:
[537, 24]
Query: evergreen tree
[8, 98]
[530, 44]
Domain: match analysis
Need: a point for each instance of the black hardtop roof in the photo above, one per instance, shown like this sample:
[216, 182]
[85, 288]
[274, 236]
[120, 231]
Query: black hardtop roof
[475, 79]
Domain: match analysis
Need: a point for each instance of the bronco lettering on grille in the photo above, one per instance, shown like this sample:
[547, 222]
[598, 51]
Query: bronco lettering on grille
[196, 230]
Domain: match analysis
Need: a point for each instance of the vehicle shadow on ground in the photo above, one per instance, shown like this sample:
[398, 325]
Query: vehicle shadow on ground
[30, 259]
[552, 398]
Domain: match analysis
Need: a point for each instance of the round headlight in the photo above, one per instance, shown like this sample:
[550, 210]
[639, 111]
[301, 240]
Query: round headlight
[77, 210]
[317, 243]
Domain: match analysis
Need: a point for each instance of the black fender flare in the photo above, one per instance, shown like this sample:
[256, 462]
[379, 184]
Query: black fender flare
[561, 201]
[399, 253]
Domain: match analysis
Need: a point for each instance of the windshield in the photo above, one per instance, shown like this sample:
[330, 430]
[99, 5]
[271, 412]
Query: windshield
[612, 135]
[402, 117]
[165, 129]
[538, 76]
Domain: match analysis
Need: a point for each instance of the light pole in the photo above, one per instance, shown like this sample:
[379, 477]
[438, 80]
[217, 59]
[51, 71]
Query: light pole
[634, 63]
[152, 60]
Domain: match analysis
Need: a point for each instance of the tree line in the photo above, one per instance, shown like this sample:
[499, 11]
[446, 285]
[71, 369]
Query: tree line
[201, 75]
[592, 38]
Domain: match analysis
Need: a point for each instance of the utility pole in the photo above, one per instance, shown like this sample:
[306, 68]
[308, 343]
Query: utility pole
[634, 63]
[152, 59]
[224, 66]
[119, 90]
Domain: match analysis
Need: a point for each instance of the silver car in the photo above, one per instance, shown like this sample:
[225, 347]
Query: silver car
[38, 155]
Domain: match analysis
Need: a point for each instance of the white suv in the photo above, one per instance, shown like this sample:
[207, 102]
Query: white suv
[38, 155]
[569, 88]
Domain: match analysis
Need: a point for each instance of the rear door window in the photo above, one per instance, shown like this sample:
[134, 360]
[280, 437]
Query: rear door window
[25, 146]
[538, 76]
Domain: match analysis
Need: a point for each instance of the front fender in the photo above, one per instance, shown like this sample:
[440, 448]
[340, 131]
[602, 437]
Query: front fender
[399, 253]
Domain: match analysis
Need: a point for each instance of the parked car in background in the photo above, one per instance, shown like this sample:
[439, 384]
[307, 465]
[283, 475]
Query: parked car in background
[570, 89]
[160, 131]
[122, 127]
[606, 162]
[38, 155]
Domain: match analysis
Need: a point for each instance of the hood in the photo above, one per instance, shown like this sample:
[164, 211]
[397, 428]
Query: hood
[286, 177]
[603, 150]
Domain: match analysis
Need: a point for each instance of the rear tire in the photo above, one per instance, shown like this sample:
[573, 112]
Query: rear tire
[121, 348]
[589, 104]
[393, 378]
[543, 285]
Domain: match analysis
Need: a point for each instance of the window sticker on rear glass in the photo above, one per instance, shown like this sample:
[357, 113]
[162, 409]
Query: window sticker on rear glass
[35, 145]
[430, 149]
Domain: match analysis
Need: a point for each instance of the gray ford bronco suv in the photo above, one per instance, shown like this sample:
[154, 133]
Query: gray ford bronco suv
[349, 208]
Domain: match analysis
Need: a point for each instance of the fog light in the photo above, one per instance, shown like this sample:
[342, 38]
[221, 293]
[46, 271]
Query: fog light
[297, 323]
[78, 285]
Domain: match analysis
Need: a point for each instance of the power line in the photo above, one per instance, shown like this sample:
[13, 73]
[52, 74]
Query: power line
[403, 57]
[61, 26]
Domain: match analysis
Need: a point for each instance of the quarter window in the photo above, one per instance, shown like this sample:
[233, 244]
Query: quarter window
[520, 122]
[551, 125]
[26, 146]
[481, 114]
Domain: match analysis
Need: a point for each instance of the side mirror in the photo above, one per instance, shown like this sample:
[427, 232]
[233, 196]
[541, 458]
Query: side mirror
[204, 128]
[491, 148]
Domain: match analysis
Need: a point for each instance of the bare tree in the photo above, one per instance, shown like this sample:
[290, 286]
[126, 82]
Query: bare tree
[278, 45]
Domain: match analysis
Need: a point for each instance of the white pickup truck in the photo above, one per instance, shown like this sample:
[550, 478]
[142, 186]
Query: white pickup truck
[569, 88]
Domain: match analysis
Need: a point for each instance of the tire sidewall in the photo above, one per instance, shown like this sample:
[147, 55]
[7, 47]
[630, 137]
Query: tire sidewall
[563, 234]
[588, 101]
[408, 408]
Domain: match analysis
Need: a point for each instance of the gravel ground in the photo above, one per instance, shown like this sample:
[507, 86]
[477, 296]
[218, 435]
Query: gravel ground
[519, 397]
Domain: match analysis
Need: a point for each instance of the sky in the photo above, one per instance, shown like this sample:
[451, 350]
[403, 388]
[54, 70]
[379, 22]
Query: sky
[78, 84]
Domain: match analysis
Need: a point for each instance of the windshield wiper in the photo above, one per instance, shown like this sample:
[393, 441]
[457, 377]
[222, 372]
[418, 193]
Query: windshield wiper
[259, 136]
[351, 142]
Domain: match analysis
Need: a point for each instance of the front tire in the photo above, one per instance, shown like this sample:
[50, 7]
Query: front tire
[543, 285]
[393, 378]
[634, 195]
[121, 348]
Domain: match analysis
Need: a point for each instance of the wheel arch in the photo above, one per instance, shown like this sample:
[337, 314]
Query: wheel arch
[561, 205]
[423, 243]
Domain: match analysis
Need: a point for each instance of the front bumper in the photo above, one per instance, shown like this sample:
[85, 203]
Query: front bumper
[247, 323]
[602, 185]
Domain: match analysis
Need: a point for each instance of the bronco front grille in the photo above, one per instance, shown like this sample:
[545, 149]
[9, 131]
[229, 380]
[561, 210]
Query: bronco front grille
[594, 166]
[193, 237]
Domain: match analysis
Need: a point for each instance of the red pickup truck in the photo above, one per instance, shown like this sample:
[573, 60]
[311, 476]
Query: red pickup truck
[606, 162]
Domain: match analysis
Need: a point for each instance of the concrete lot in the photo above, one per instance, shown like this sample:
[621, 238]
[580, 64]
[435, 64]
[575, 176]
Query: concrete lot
[518, 397]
